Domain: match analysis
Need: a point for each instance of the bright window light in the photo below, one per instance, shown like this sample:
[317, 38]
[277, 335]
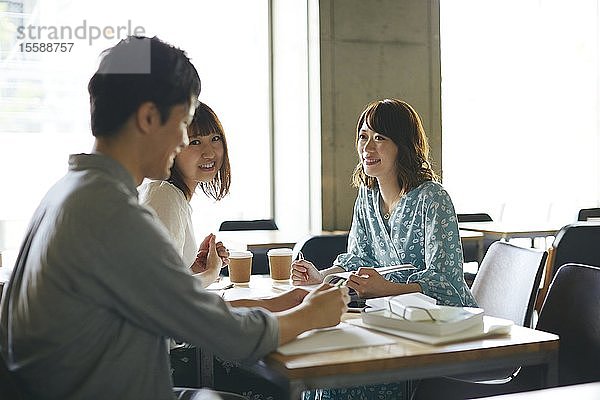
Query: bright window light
[520, 107]
[44, 105]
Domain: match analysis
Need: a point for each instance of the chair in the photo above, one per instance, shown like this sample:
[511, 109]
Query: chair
[249, 225]
[505, 286]
[574, 243]
[475, 217]
[587, 213]
[508, 280]
[322, 250]
[472, 251]
[260, 262]
[571, 311]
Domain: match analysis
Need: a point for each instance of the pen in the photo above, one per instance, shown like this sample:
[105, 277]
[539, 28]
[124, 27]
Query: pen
[230, 286]
[341, 283]
[301, 257]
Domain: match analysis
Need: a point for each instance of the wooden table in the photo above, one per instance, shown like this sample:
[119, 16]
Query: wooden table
[584, 391]
[260, 286]
[412, 360]
[506, 231]
[405, 359]
[467, 236]
[249, 240]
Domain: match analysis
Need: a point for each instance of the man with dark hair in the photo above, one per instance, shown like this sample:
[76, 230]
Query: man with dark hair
[124, 80]
[98, 286]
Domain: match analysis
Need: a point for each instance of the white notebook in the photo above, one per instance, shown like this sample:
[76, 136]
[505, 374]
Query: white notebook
[469, 318]
[419, 313]
[492, 326]
[342, 336]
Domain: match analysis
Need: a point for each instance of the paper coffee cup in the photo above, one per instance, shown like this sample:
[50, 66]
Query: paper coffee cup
[280, 263]
[240, 266]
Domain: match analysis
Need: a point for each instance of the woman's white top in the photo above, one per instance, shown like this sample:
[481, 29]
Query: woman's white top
[175, 212]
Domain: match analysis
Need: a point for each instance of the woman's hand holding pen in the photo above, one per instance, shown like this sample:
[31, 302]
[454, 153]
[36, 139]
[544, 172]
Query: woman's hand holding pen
[305, 273]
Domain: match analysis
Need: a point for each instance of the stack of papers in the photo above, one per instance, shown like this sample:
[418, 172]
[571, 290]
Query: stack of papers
[418, 313]
[492, 326]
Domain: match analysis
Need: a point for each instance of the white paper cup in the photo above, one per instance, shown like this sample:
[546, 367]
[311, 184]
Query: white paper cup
[280, 263]
[240, 266]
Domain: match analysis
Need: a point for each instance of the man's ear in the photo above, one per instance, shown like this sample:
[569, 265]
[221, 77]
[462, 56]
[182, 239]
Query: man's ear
[147, 117]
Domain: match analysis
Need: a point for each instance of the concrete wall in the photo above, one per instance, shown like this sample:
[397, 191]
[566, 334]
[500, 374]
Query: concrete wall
[372, 49]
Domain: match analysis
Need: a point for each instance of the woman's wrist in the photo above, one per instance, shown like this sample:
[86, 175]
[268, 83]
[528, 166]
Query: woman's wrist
[394, 289]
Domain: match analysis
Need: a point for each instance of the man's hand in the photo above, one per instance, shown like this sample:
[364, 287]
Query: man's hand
[321, 308]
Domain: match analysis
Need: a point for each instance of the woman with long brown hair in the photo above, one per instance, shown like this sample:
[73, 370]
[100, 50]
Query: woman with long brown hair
[402, 215]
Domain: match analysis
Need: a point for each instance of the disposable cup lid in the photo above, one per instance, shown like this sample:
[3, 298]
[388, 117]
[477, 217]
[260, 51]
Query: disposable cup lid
[280, 252]
[240, 254]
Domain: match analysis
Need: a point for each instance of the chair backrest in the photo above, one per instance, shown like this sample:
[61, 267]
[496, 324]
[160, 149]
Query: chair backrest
[475, 217]
[508, 280]
[249, 225]
[471, 251]
[322, 250]
[586, 213]
[571, 310]
[576, 243]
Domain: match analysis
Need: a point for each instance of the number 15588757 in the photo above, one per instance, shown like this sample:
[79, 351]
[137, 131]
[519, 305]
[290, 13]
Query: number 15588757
[50, 47]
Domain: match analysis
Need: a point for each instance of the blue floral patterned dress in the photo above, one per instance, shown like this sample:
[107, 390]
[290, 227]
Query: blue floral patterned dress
[422, 230]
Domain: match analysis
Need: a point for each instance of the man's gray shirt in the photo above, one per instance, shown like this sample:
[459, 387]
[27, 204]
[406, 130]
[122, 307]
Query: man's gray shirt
[98, 287]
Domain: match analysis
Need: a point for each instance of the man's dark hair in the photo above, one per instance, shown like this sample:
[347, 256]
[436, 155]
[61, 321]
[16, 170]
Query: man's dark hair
[137, 70]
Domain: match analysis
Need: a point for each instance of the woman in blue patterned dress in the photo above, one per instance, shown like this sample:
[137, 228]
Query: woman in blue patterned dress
[401, 215]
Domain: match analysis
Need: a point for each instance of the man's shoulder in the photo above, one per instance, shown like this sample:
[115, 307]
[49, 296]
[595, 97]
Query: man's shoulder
[99, 185]
[90, 195]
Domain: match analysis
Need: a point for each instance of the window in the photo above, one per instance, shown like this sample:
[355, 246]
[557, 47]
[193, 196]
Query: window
[520, 107]
[44, 113]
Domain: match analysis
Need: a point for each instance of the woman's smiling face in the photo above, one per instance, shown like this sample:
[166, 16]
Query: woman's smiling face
[377, 153]
[201, 160]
